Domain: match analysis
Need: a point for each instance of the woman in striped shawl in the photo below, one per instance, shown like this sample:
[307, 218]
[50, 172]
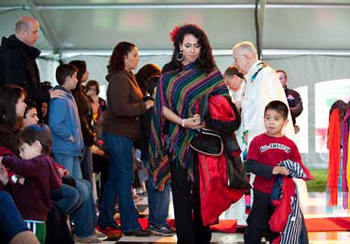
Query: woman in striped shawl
[190, 75]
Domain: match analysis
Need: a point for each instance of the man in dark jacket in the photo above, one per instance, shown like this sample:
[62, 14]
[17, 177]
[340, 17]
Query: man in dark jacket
[293, 97]
[18, 61]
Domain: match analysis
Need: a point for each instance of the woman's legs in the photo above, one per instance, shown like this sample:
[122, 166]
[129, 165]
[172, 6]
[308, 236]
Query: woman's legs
[181, 189]
[119, 183]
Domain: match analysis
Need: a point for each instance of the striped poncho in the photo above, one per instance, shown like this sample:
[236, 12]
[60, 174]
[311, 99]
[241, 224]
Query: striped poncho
[178, 90]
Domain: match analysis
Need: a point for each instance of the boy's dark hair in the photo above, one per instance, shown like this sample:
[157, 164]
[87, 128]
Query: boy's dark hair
[233, 70]
[30, 104]
[33, 133]
[278, 106]
[63, 71]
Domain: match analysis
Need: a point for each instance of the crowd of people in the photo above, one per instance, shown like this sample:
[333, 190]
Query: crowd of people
[53, 139]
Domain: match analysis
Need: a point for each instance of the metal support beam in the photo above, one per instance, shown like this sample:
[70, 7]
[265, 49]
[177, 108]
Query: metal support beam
[145, 6]
[259, 15]
[48, 32]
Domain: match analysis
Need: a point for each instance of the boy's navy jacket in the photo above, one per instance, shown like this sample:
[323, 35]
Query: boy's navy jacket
[64, 122]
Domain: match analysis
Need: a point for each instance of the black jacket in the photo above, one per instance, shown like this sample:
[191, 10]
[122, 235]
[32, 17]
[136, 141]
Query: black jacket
[18, 66]
[294, 102]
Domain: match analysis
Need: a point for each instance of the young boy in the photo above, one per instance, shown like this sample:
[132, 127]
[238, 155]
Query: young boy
[64, 122]
[266, 158]
[30, 113]
[67, 145]
[36, 175]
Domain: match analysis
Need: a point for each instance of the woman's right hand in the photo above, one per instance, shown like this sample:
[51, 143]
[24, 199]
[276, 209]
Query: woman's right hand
[149, 104]
[194, 122]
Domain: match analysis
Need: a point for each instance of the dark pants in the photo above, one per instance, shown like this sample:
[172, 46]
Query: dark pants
[189, 228]
[258, 219]
[11, 222]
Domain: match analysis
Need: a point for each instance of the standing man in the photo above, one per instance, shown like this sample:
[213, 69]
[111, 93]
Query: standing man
[18, 61]
[263, 86]
[293, 98]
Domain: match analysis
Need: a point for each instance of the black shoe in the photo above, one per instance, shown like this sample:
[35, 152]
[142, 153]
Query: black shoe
[138, 233]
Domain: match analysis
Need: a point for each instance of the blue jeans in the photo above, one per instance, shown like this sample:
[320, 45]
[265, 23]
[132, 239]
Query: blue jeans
[67, 197]
[158, 202]
[71, 163]
[84, 217]
[11, 220]
[119, 184]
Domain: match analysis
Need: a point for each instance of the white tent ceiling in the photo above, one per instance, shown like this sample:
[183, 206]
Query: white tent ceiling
[95, 26]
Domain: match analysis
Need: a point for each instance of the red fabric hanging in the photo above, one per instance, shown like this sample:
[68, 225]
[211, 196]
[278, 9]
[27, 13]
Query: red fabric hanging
[334, 156]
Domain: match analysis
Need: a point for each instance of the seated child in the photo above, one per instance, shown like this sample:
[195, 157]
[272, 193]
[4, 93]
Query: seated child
[36, 175]
[274, 159]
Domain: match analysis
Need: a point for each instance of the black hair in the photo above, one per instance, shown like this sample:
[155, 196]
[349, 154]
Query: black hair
[144, 75]
[120, 51]
[278, 106]
[33, 133]
[30, 104]
[152, 83]
[81, 67]
[63, 71]
[9, 95]
[206, 60]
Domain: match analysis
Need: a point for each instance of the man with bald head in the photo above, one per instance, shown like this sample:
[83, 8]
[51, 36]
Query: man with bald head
[18, 61]
[262, 87]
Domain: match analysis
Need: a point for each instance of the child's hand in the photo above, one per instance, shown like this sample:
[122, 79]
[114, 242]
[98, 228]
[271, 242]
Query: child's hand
[4, 178]
[63, 172]
[280, 170]
[284, 171]
[276, 170]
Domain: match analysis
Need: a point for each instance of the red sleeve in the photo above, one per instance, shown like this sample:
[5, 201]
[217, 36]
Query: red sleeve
[253, 150]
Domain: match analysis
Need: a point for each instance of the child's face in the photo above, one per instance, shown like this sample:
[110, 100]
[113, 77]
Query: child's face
[31, 117]
[233, 82]
[27, 151]
[20, 107]
[71, 82]
[274, 123]
[44, 109]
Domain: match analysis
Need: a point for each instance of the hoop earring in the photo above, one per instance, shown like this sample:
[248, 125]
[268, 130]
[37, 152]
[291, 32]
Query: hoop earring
[180, 56]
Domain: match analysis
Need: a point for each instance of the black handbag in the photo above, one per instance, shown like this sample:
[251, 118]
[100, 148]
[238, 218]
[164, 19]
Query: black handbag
[207, 142]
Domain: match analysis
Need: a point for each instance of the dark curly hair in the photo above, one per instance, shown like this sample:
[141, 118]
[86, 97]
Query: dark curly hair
[9, 95]
[206, 60]
[116, 61]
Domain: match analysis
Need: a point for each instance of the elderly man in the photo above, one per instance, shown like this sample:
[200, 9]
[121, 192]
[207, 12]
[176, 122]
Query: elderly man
[262, 87]
[18, 61]
[293, 97]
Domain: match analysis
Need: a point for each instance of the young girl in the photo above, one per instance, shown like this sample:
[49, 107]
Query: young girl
[12, 109]
[36, 175]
